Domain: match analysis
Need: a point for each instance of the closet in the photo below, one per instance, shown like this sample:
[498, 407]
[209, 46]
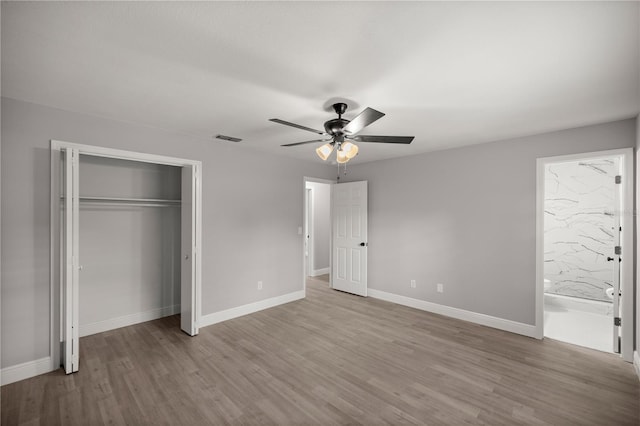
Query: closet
[129, 237]
[127, 230]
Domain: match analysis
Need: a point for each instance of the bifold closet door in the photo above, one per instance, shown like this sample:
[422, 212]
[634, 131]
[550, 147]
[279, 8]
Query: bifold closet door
[188, 268]
[70, 265]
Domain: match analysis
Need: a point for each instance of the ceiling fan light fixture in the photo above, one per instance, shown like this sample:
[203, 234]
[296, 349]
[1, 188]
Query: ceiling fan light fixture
[324, 151]
[341, 156]
[350, 149]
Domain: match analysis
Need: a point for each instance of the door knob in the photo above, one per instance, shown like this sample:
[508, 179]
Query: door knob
[363, 244]
[609, 259]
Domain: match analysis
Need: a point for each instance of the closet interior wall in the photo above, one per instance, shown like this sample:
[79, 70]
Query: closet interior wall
[129, 239]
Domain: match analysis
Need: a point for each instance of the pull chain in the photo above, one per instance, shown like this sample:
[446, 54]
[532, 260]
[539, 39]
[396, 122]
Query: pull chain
[344, 172]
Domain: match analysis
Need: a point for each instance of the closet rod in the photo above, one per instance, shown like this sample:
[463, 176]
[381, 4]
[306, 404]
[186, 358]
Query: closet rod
[151, 202]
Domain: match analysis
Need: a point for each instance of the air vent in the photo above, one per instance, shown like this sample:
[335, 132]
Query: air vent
[228, 138]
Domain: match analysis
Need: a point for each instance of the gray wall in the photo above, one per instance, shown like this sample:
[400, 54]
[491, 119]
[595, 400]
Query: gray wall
[464, 217]
[252, 208]
[130, 254]
[321, 193]
[467, 218]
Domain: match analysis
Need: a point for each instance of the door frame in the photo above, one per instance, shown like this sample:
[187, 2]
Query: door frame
[308, 229]
[626, 221]
[306, 179]
[56, 312]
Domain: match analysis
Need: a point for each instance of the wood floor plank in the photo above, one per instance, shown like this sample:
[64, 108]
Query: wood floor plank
[330, 359]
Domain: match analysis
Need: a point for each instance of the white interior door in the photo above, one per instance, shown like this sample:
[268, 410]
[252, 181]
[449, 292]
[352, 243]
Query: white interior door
[189, 219]
[349, 219]
[623, 282]
[70, 250]
[616, 271]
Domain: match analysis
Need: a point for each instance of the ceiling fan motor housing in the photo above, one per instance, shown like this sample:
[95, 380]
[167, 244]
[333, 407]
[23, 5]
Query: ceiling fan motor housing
[334, 127]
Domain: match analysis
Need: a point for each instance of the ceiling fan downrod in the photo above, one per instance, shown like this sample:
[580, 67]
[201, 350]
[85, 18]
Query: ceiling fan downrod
[340, 108]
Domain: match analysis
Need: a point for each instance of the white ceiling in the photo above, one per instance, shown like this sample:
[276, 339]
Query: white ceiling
[451, 74]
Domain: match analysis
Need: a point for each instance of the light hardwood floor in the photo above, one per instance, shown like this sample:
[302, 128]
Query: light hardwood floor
[332, 358]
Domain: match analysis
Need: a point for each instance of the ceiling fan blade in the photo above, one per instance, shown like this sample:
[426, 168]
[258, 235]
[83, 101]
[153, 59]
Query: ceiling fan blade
[297, 126]
[306, 142]
[366, 117]
[383, 139]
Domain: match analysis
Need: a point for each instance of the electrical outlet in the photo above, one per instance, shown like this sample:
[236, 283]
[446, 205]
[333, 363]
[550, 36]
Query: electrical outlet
[259, 285]
[440, 287]
[413, 283]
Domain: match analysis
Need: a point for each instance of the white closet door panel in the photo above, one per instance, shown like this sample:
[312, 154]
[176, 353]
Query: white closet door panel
[70, 250]
[188, 253]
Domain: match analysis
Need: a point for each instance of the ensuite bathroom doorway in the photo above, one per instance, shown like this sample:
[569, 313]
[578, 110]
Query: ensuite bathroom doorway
[584, 215]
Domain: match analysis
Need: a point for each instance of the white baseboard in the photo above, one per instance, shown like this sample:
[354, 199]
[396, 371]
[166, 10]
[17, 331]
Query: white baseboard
[124, 321]
[29, 369]
[636, 362]
[250, 308]
[318, 272]
[461, 314]
[15, 373]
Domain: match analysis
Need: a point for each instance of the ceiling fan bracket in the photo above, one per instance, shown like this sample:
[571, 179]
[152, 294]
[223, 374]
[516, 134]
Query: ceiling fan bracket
[339, 108]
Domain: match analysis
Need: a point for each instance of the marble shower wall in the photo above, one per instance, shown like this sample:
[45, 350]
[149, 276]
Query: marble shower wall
[579, 226]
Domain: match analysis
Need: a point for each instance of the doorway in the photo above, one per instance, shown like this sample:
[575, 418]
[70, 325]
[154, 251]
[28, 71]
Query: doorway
[317, 230]
[65, 242]
[347, 231]
[584, 288]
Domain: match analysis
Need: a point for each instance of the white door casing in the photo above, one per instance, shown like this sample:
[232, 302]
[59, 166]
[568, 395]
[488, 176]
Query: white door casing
[65, 242]
[349, 237]
[308, 229]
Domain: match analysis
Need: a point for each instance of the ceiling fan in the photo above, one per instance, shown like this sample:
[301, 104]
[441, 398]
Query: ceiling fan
[341, 133]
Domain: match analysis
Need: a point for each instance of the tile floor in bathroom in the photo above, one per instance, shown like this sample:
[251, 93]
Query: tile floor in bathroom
[588, 329]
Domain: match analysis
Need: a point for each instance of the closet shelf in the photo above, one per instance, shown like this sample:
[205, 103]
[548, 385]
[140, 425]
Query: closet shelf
[128, 201]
